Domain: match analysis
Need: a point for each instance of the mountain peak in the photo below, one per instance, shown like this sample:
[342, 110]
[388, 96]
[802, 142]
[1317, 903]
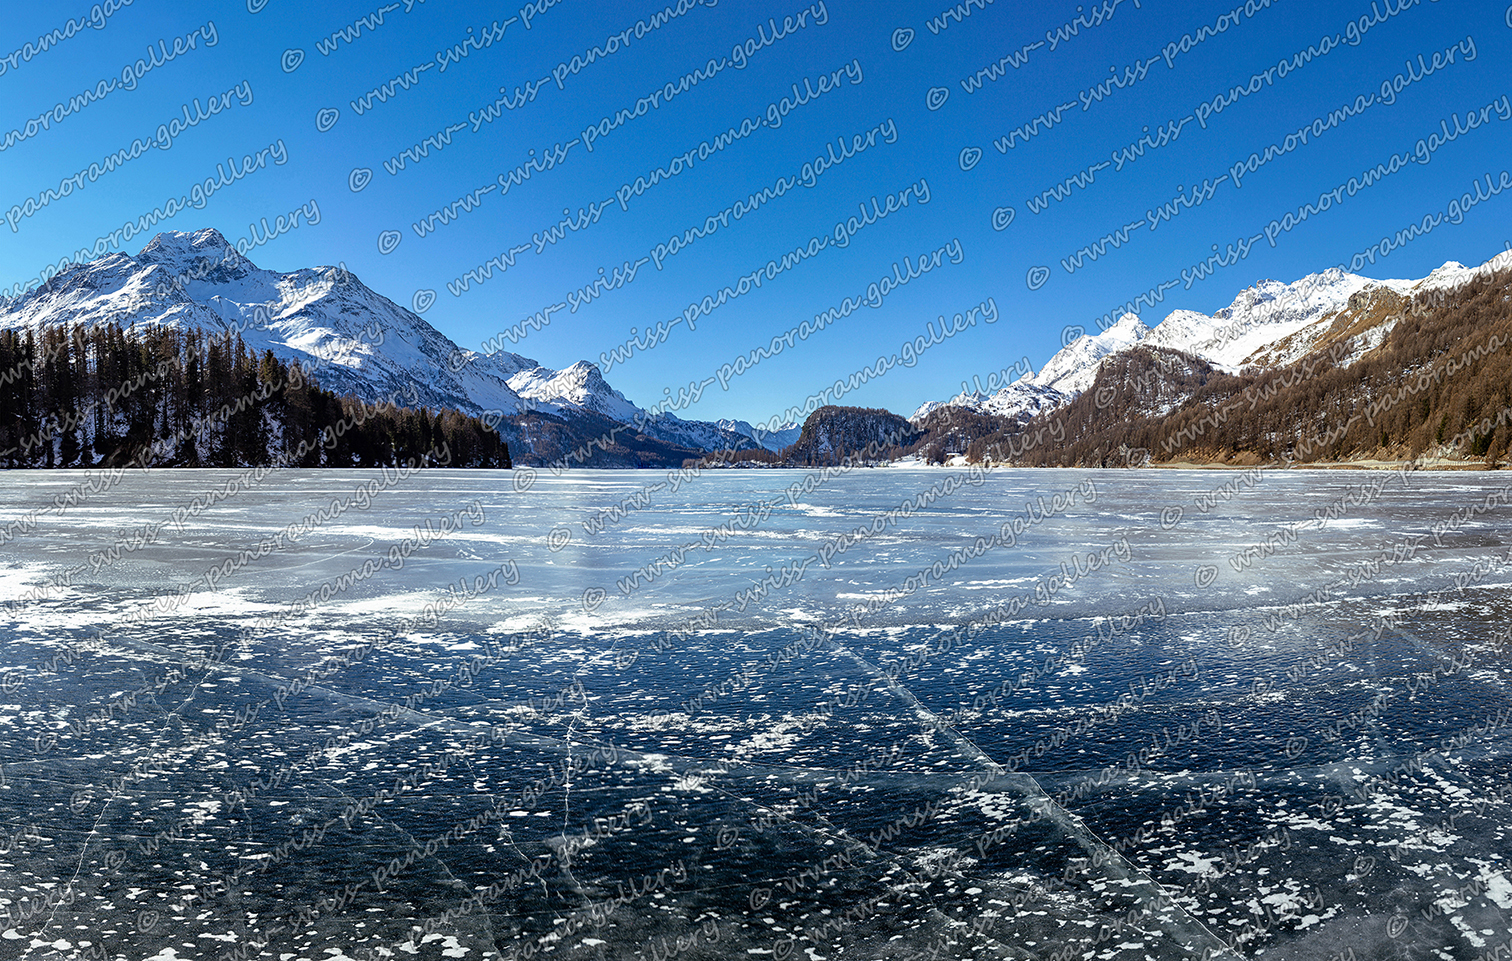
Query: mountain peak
[192, 242]
[1073, 369]
[581, 386]
[1128, 328]
[1453, 273]
[355, 341]
[772, 438]
[584, 370]
[181, 250]
[582, 378]
[1450, 273]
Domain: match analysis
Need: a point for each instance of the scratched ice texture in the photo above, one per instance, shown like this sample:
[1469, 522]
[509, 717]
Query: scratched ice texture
[1174, 749]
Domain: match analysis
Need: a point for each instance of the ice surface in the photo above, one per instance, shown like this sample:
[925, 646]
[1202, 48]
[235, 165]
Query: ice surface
[1299, 754]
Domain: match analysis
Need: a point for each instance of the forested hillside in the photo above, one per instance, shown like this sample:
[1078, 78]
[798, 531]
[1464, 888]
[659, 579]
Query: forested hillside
[1439, 385]
[832, 434]
[105, 396]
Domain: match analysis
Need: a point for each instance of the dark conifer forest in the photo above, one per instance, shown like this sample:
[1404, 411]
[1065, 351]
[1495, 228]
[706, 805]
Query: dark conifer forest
[108, 397]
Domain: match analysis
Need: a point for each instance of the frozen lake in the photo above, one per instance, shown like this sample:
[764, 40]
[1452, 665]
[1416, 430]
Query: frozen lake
[890, 713]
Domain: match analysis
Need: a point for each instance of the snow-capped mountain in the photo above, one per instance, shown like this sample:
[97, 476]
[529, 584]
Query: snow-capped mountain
[1268, 324]
[773, 440]
[1271, 324]
[1074, 367]
[1019, 400]
[323, 317]
[1261, 316]
[698, 434]
[1455, 274]
[579, 387]
[355, 339]
[582, 388]
[1069, 373]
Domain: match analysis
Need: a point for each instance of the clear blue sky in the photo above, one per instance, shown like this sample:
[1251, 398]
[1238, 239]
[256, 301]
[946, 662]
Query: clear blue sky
[1140, 41]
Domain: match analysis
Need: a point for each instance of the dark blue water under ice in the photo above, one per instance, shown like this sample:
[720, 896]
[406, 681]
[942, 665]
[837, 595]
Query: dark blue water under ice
[1164, 752]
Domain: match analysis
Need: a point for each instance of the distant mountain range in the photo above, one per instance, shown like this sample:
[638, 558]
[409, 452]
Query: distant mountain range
[1331, 368]
[359, 342]
[1269, 325]
[773, 440]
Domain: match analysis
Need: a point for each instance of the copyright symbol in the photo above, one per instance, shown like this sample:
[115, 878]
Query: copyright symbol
[43, 743]
[147, 919]
[728, 835]
[901, 38]
[559, 538]
[1106, 394]
[1071, 334]
[759, 898]
[1238, 636]
[114, 860]
[593, 597]
[1295, 746]
[13, 681]
[936, 97]
[524, 479]
[81, 800]
[1002, 217]
[1170, 517]
[782, 948]
[1364, 865]
[1205, 575]
[1396, 924]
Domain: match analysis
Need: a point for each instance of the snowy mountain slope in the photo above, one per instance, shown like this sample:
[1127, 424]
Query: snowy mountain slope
[1019, 400]
[1067, 374]
[1268, 324]
[1369, 314]
[774, 440]
[1074, 367]
[325, 318]
[1260, 316]
[355, 339]
[698, 434]
[1455, 274]
[579, 387]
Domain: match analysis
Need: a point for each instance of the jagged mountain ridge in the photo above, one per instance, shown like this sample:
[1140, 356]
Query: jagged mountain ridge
[357, 340]
[1268, 324]
[1392, 378]
[1018, 401]
[776, 440]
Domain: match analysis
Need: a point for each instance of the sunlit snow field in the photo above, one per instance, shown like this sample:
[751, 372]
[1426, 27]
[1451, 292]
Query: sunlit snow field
[1153, 755]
